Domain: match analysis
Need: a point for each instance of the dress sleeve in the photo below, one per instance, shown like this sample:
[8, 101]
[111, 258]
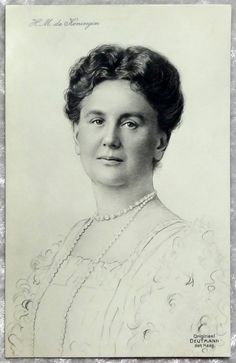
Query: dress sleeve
[181, 297]
[19, 332]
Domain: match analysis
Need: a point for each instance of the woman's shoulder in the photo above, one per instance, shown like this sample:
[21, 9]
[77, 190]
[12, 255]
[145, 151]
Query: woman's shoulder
[179, 233]
[182, 246]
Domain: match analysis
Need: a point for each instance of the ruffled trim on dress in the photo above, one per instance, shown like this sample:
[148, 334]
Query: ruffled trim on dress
[19, 333]
[24, 298]
[187, 282]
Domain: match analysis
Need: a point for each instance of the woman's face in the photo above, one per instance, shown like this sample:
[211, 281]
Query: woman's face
[117, 135]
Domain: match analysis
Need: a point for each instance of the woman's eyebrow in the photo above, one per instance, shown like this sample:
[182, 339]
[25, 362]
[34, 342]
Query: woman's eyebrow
[134, 114]
[94, 112]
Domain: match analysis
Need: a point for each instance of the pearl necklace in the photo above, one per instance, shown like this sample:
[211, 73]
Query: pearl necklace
[140, 205]
[107, 217]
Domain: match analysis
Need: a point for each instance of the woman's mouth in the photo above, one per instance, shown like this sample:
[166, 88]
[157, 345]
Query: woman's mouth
[110, 160]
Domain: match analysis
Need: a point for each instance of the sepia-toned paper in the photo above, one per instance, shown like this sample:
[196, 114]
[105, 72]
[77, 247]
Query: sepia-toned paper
[47, 190]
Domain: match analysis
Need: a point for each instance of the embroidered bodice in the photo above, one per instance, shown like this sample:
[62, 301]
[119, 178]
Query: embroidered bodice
[170, 288]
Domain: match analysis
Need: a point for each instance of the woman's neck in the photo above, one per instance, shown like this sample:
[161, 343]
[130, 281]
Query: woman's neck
[110, 200]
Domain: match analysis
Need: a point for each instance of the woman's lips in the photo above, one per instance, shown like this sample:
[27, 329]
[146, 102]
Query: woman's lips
[110, 160]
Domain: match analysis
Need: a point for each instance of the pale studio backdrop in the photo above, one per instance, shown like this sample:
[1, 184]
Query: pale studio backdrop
[47, 190]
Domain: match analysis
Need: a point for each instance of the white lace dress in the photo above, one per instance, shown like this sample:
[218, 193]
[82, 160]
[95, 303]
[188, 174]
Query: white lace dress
[167, 295]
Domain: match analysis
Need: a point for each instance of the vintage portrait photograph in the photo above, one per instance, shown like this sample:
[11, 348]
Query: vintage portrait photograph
[117, 181]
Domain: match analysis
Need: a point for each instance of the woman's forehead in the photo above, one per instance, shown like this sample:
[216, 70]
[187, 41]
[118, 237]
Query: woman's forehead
[116, 96]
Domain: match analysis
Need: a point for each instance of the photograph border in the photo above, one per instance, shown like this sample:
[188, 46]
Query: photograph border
[233, 176]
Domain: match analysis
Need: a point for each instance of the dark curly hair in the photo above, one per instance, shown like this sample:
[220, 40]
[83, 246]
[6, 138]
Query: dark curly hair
[149, 73]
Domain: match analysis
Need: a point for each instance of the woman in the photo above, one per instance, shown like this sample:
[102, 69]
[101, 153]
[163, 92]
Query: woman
[134, 279]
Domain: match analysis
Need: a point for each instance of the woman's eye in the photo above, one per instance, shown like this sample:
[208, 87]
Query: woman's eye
[97, 121]
[130, 124]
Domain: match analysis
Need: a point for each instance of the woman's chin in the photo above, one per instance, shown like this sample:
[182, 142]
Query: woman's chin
[109, 179]
[109, 182]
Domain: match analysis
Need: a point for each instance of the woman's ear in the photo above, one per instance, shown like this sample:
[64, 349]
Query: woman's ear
[76, 138]
[161, 146]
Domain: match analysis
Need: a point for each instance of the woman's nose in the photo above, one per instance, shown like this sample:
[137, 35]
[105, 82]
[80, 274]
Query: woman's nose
[111, 136]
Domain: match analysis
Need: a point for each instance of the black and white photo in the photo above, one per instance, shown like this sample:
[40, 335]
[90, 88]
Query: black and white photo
[117, 181]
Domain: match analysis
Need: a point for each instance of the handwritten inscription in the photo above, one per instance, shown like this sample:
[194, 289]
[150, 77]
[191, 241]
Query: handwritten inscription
[70, 22]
